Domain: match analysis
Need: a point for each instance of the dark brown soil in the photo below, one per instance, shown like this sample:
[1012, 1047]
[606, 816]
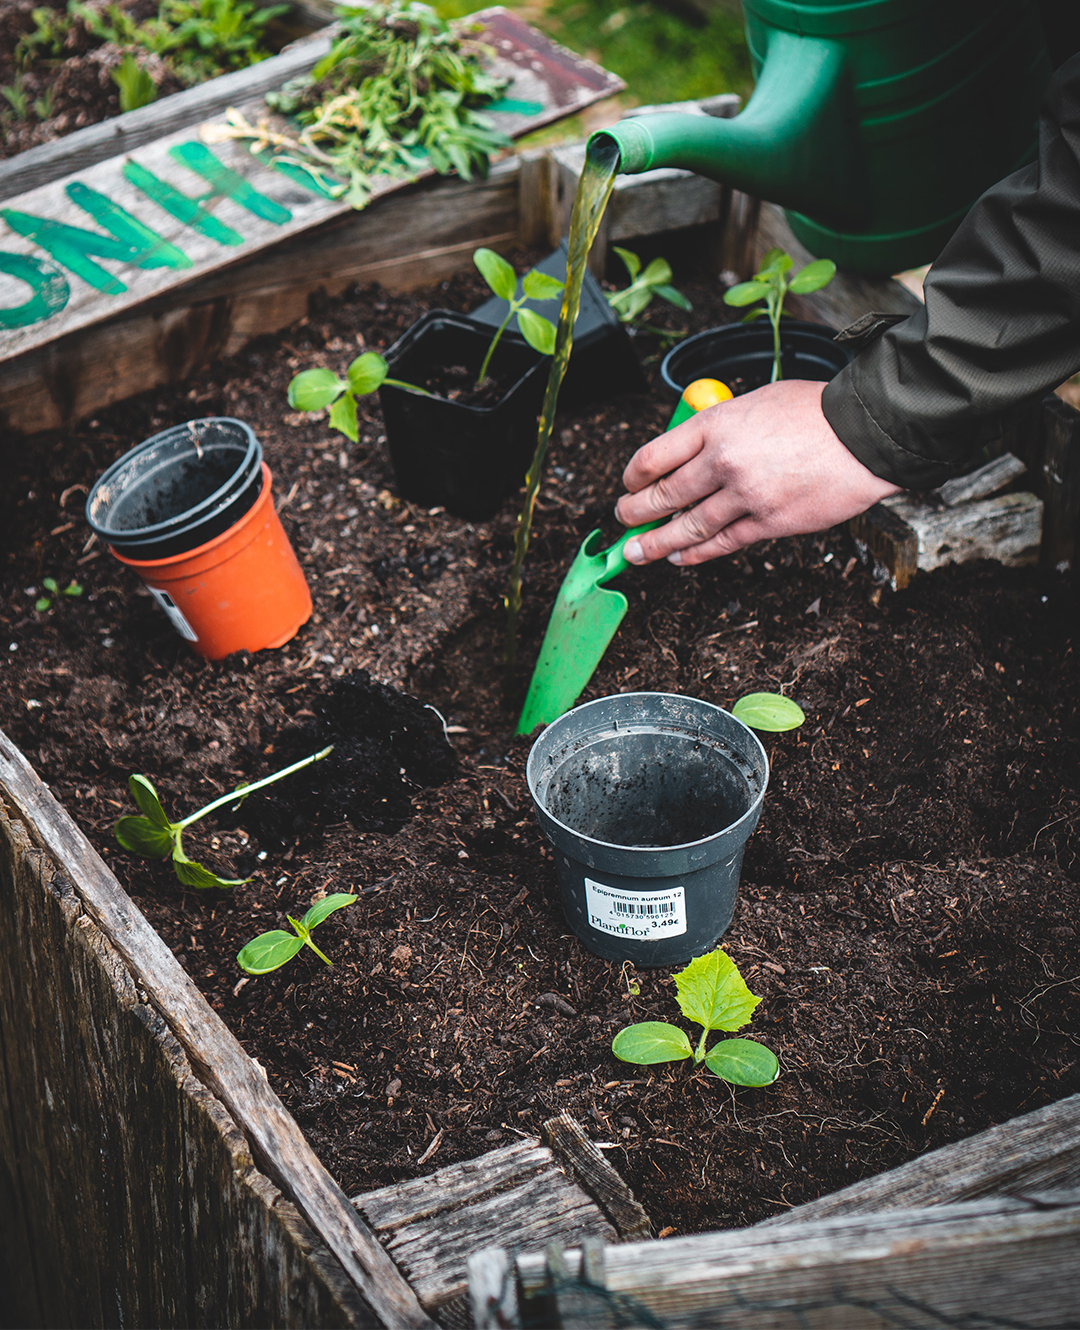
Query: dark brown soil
[69, 93]
[908, 906]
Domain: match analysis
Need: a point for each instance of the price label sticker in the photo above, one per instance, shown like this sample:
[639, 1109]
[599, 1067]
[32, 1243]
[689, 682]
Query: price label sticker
[640, 914]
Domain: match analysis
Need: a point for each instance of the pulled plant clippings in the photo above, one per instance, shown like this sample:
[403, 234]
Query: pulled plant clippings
[154, 837]
[270, 951]
[400, 91]
[713, 994]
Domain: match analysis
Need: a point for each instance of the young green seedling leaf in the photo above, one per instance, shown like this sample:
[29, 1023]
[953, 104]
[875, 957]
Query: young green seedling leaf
[537, 331]
[651, 1042]
[654, 281]
[144, 794]
[49, 583]
[712, 992]
[743, 1062]
[769, 712]
[315, 389]
[153, 836]
[366, 373]
[343, 417]
[143, 837]
[771, 284]
[498, 274]
[270, 951]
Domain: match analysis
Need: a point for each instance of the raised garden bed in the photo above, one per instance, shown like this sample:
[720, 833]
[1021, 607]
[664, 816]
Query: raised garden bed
[908, 904]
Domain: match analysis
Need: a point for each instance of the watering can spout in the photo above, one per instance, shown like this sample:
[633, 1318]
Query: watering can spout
[796, 143]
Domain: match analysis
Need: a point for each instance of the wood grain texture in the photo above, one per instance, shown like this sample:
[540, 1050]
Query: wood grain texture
[992, 1262]
[127, 1194]
[890, 544]
[982, 482]
[220, 1062]
[1006, 528]
[584, 1162]
[511, 1196]
[1037, 1152]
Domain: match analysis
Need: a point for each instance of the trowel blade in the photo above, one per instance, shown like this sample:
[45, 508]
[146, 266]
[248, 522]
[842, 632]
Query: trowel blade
[577, 636]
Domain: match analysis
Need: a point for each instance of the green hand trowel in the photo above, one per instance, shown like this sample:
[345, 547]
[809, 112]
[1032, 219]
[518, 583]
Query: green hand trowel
[587, 613]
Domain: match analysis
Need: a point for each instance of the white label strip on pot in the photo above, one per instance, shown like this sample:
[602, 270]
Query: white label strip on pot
[640, 914]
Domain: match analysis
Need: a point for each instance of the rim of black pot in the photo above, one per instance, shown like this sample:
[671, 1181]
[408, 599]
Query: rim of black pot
[465, 322]
[206, 527]
[207, 509]
[760, 330]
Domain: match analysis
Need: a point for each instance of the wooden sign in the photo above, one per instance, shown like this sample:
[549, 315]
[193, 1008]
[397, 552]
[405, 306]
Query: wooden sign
[106, 238]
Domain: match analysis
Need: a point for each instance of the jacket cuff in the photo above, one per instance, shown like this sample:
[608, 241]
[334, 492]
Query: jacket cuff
[855, 427]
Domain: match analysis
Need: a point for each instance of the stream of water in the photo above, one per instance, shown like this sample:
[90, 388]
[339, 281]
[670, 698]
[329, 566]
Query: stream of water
[593, 191]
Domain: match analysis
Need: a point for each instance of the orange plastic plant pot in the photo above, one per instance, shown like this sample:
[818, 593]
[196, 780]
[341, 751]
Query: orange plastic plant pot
[242, 591]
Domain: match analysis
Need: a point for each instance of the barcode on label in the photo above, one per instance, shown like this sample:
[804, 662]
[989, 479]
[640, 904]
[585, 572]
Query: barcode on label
[639, 908]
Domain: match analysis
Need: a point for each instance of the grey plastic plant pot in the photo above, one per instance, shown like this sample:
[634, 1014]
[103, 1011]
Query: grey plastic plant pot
[649, 800]
[177, 489]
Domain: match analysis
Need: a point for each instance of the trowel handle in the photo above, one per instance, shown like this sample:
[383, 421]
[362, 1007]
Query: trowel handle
[696, 397]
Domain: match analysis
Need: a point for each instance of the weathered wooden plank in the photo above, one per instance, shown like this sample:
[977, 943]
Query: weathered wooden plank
[889, 542]
[219, 1059]
[42, 165]
[588, 1166]
[518, 1194]
[1006, 528]
[162, 185]
[134, 1197]
[1004, 1261]
[980, 484]
[165, 339]
[1037, 1152]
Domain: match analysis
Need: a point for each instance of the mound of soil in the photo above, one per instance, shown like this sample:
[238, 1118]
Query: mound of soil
[909, 903]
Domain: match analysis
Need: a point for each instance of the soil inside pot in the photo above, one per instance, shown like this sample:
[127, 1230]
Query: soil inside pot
[909, 903]
[457, 383]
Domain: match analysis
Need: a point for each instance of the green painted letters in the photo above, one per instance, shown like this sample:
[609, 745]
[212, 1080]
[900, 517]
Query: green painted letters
[47, 282]
[198, 158]
[178, 205]
[129, 242]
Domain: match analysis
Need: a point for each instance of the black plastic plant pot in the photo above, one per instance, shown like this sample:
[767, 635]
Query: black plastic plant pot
[603, 362]
[178, 489]
[466, 459]
[649, 800]
[741, 355]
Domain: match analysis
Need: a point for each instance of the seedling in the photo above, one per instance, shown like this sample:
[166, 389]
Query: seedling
[316, 389]
[154, 837]
[500, 276]
[772, 284]
[136, 86]
[712, 993]
[634, 299]
[768, 711]
[270, 951]
[51, 585]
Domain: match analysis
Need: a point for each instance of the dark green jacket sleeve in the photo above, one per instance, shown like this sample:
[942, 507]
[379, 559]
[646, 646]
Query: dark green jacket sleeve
[1000, 327]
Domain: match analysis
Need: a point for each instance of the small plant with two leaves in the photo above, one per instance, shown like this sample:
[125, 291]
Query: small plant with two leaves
[153, 836]
[317, 389]
[270, 951]
[51, 589]
[655, 280]
[713, 994]
[772, 284]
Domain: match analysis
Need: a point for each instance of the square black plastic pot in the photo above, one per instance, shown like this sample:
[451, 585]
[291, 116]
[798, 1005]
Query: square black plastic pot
[603, 362]
[466, 459]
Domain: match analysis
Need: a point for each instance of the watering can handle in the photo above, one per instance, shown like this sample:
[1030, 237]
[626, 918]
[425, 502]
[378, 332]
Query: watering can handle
[697, 396]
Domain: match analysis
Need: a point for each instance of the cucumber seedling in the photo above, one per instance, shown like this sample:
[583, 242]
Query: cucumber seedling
[771, 284]
[712, 993]
[270, 951]
[154, 837]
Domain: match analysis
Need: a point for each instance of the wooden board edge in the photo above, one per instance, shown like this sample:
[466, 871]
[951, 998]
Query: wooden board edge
[217, 1057]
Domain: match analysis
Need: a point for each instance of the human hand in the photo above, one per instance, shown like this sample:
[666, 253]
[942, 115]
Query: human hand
[759, 466]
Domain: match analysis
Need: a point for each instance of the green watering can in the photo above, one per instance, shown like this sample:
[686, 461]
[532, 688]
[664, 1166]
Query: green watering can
[876, 123]
[587, 613]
